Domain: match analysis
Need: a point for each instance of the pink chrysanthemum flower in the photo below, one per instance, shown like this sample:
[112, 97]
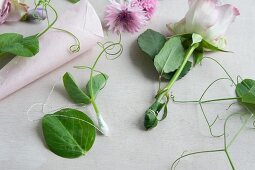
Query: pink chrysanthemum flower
[122, 17]
[149, 6]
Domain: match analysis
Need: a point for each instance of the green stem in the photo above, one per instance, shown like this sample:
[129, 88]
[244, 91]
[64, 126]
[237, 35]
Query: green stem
[195, 153]
[221, 99]
[222, 68]
[95, 107]
[229, 159]
[50, 25]
[207, 101]
[91, 75]
[239, 131]
[178, 72]
[92, 97]
[73, 48]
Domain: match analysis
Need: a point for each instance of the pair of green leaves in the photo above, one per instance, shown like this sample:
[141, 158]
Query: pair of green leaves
[246, 91]
[13, 44]
[167, 55]
[84, 97]
[71, 133]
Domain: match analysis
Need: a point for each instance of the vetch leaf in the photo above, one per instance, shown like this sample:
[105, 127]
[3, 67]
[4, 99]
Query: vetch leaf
[98, 82]
[164, 113]
[75, 93]
[246, 90]
[7, 39]
[205, 44]
[170, 57]
[184, 72]
[198, 56]
[151, 42]
[15, 44]
[31, 43]
[68, 133]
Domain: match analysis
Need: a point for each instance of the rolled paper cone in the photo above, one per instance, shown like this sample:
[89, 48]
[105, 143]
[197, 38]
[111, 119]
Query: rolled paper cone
[81, 20]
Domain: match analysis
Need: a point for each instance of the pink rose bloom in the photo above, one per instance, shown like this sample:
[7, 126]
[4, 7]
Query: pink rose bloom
[149, 6]
[207, 18]
[12, 10]
[5, 8]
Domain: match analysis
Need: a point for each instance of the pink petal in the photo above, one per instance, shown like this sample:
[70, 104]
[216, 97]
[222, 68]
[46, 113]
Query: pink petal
[226, 15]
[5, 8]
[18, 10]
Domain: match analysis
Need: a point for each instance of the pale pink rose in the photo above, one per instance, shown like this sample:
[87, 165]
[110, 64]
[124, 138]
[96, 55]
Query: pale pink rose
[18, 10]
[5, 8]
[12, 10]
[208, 18]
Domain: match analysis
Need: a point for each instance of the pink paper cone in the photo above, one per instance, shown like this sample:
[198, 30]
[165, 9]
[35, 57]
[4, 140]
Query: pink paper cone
[81, 20]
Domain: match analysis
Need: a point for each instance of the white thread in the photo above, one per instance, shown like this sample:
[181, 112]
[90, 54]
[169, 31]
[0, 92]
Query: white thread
[55, 110]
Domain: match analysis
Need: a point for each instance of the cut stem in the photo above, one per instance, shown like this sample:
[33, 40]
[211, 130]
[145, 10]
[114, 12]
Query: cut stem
[178, 72]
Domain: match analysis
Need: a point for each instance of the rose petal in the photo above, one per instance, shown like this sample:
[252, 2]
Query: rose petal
[226, 15]
[4, 10]
[201, 16]
[18, 10]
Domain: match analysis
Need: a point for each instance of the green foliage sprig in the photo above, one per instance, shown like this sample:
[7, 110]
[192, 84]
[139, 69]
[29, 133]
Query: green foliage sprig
[71, 133]
[171, 59]
[95, 84]
[245, 95]
[13, 44]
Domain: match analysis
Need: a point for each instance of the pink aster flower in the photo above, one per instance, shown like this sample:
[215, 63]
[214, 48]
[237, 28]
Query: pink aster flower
[149, 6]
[122, 17]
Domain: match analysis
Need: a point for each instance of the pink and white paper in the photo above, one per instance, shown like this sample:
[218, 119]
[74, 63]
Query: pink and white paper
[81, 20]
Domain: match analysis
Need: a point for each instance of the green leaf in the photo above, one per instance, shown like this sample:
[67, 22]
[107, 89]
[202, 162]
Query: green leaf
[246, 90]
[31, 43]
[184, 72]
[75, 93]
[165, 113]
[68, 133]
[73, 1]
[98, 83]
[205, 44]
[198, 56]
[151, 42]
[16, 44]
[170, 56]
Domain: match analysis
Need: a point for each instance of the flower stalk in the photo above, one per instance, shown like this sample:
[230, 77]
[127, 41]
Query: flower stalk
[177, 74]
[151, 120]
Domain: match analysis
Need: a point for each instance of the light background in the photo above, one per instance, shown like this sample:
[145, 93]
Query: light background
[129, 92]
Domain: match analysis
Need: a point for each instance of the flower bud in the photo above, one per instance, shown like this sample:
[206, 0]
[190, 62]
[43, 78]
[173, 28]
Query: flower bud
[35, 15]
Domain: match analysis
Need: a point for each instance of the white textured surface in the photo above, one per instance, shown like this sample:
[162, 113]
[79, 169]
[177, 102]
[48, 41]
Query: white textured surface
[129, 92]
